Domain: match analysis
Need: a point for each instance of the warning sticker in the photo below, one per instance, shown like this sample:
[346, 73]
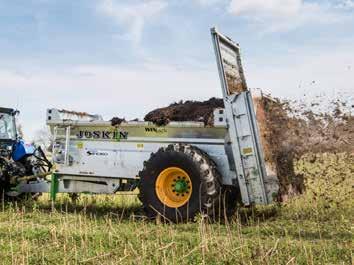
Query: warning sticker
[247, 151]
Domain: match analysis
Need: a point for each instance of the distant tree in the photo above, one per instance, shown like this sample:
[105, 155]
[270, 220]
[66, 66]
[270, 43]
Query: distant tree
[44, 138]
[20, 131]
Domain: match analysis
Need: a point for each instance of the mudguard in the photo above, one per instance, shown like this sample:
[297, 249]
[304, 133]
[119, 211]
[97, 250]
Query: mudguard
[21, 149]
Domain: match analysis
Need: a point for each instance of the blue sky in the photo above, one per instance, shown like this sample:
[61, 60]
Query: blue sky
[124, 58]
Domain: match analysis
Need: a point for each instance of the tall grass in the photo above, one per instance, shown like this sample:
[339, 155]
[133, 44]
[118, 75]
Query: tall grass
[315, 228]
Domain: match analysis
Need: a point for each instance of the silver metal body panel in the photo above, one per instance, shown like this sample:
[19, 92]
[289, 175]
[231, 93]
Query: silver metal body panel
[97, 149]
[73, 184]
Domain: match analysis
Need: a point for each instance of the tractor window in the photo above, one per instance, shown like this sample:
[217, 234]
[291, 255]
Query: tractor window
[7, 126]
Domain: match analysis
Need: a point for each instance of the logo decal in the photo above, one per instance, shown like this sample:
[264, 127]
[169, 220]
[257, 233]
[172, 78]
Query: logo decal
[117, 135]
[155, 131]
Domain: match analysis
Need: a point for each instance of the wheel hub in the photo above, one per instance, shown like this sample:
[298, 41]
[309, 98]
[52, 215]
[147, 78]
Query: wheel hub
[173, 187]
[181, 186]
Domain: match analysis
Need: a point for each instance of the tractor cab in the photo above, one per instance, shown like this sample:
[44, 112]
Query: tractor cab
[7, 124]
[8, 131]
[10, 144]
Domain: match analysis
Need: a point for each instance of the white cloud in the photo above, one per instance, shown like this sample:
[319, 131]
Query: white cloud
[285, 15]
[265, 7]
[312, 72]
[208, 2]
[128, 92]
[132, 16]
[347, 4]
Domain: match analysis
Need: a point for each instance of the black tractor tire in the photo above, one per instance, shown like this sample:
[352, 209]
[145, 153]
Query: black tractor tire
[205, 181]
[4, 185]
[228, 203]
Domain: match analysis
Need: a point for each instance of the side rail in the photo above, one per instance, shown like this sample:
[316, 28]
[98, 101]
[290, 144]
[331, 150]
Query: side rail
[56, 115]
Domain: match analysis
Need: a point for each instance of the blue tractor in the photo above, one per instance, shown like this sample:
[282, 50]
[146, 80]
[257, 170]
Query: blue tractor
[19, 162]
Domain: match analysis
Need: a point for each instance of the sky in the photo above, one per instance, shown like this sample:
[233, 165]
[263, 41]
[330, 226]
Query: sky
[124, 58]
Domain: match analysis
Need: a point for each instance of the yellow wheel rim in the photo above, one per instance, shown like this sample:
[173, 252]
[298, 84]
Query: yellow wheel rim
[173, 187]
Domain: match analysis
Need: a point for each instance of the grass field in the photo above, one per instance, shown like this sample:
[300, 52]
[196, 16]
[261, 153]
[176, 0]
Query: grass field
[315, 228]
